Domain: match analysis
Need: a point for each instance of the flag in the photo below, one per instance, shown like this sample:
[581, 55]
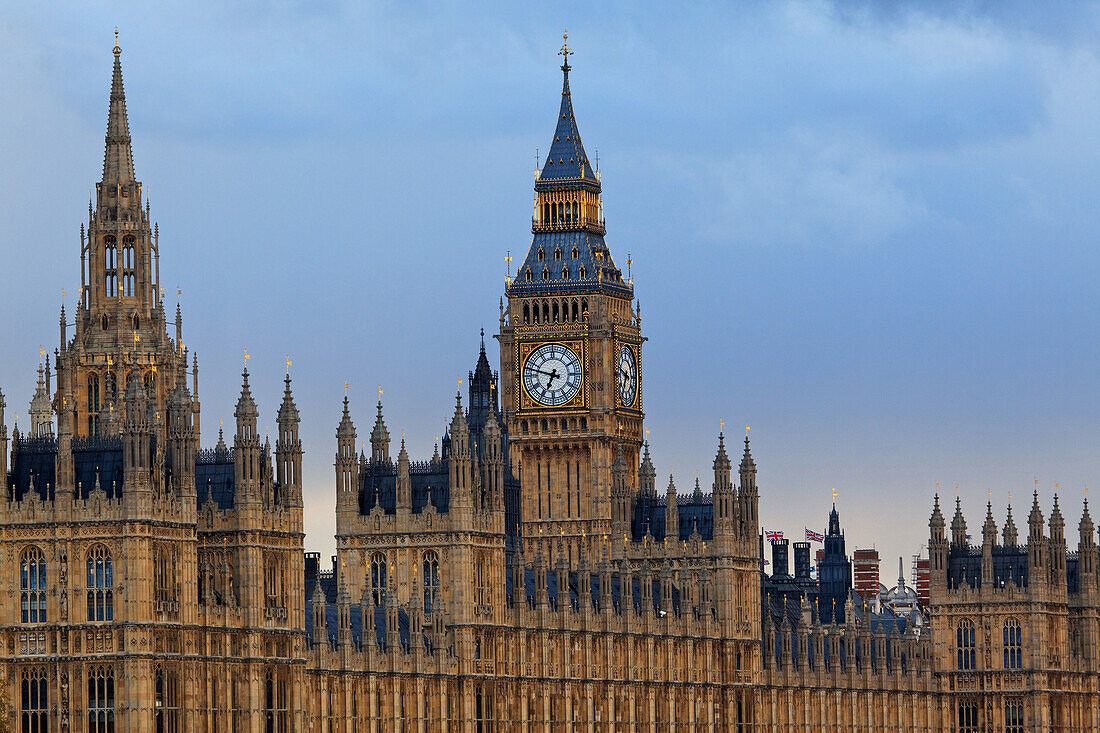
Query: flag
[773, 535]
[814, 536]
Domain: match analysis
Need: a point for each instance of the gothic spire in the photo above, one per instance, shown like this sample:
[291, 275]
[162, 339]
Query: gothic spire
[567, 161]
[118, 160]
[1010, 532]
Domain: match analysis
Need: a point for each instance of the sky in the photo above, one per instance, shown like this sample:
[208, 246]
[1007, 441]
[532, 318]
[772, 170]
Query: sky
[868, 230]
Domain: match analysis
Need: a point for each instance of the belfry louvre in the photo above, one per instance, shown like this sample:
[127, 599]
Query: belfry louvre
[528, 576]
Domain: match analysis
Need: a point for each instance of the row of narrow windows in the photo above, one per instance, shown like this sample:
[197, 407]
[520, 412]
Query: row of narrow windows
[135, 322]
[969, 716]
[552, 424]
[379, 576]
[562, 212]
[110, 266]
[555, 311]
[100, 700]
[109, 390]
[965, 651]
[33, 585]
[541, 255]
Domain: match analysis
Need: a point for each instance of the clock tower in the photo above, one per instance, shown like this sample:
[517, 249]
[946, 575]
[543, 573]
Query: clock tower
[570, 355]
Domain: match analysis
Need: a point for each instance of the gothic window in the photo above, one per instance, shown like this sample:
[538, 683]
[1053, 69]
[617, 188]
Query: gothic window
[545, 310]
[583, 273]
[565, 273]
[100, 584]
[93, 404]
[32, 587]
[964, 645]
[128, 265]
[273, 582]
[32, 718]
[167, 700]
[431, 580]
[526, 313]
[1013, 652]
[136, 321]
[378, 578]
[554, 311]
[576, 254]
[482, 592]
[541, 255]
[584, 303]
[106, 323]
[1014, 716]
[527, 275]
[545, 273]
[101, 700]
[557, 254]
[150, 384]
[164, 570]
[968, 716]
[110, 267]
[574, 309]
[275, 705]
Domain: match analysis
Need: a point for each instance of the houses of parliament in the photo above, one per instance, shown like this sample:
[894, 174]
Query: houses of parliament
[528, 576]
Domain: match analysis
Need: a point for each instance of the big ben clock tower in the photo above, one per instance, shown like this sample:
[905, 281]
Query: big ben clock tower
[570, 355]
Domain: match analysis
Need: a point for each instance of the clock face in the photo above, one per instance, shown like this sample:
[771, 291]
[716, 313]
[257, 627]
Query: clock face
[552, 374]
[628, 377]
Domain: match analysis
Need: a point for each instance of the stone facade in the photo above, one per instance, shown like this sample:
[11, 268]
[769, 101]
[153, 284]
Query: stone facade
[528, 576]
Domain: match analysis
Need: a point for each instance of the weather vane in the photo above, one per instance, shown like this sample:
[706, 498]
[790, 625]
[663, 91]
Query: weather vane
[288, 363]
[565, 50]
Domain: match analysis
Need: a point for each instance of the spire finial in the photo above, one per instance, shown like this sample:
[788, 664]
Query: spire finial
[565, 51]
[117, 51]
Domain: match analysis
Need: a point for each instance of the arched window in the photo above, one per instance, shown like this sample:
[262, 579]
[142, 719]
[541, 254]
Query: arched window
[100, 585]
[101, 699]
[93, 404]
[273, 582]
[378, 578]
[557, 254]
[275, 707]
[32, 587]
[565, 273]
[554, 310]
[167, 700]
[545, 274]
[526, 313]
[106, 322]
[164, 571]
[541, 255]
[968, 716]
[1014, 716]
[136, 322]
[431, 580]
[1013, 651]
[110, 267]
[33, 701]
[583, 273]
[964, 644]
[527, 275]
[574, 309]
[576, 254]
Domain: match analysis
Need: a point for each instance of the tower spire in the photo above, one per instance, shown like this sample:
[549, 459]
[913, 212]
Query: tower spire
[118, 159]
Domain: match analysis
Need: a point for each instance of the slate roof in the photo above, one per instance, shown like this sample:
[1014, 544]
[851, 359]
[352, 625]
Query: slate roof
[567, 163]
[649, 516]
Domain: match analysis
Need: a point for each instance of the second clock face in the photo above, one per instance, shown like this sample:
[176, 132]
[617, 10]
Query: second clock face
[552, 374]
[628, 377]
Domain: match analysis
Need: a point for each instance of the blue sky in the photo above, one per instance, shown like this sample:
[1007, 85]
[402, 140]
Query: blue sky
[868, 230]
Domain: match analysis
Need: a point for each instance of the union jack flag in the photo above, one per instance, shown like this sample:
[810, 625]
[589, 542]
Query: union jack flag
[814, 536]
[773, 535]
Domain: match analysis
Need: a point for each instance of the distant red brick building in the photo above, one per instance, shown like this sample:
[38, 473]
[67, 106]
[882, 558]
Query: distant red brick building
[865, 570]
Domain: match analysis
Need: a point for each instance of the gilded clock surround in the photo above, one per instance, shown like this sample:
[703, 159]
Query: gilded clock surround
[528, 404]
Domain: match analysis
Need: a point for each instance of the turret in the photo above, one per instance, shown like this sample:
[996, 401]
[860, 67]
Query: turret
[749, 498]
[989, 539]
[136, 434]
[1086, 549]
[246, 446]
[492, 463]
[1010, 533]
[723, 491]
[380, 439]
[1057, 544]
[647, 475]
[41, 410]
[458, 460]
[1036, 543]
[288, 452]
[620, 495]
[317, 603]
[958, 526]
[672, 515]
[182, 439]
[404, 483]
[346, 486]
